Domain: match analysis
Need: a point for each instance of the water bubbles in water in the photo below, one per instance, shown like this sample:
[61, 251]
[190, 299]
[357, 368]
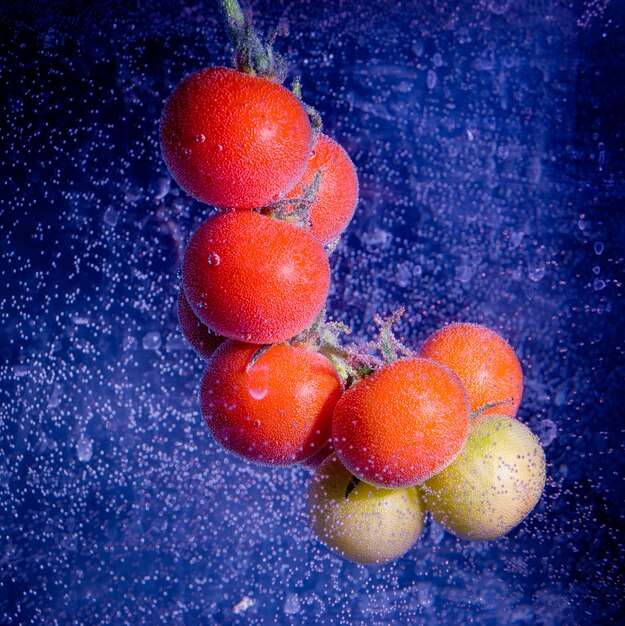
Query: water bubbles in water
[547, 432]
[152, 340]
[431, 79]
[84, 448]
[292, 604]
[483, 198]
[536, 270]
[110, 217]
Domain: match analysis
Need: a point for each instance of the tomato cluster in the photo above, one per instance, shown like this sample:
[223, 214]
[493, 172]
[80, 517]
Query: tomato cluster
[386, 438]
[255, 274]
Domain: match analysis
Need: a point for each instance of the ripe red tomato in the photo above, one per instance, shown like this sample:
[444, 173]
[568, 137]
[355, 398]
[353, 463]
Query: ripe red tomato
[402, 424]
[254, 278]
[233, 140]
[337, 195]
[484, 362]
[279, 410]
[202, 340]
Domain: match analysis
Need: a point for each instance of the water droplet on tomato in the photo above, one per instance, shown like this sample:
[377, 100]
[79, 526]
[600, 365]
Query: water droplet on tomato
[218, 148]
[186, 151]
[213, 259]
[200, 138]
[256, 423]
[258, 381]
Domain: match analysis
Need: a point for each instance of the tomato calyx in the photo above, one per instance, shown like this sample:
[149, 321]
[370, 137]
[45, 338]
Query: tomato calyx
[256, 57]
[253, 56]
[388, 344]
[313, 115]
[297, 210]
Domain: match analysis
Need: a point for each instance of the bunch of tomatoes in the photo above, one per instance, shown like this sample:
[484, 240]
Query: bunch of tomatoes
[387, 438]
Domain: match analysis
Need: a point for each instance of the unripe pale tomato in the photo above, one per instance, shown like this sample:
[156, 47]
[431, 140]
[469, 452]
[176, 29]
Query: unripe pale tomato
[277, 410]
[484, 362]
[202, 340]
[493, 484]
[233, 140]
[362, 523]
[337, 195]
[254, 278]
[401, 424]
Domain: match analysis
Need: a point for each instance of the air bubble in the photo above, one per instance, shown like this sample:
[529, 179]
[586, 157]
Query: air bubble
[152, 341]
[218, 148]
[598, 248]
[213, 259]
[547, 432]
[200, 138]
[84, 449]
[431, 79]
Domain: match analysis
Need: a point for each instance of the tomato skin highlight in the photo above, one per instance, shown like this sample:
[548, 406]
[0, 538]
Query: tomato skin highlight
[202, 340]
[233, 140]
[485, 363]
[254, 278]
[279, 411]
[402, 424]
[337, 195]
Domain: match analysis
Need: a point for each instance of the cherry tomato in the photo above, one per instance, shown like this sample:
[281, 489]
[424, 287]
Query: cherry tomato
[233, 140]
[493, 484]
[401, 424]
[362, 523]
[254, 278]
[202, 340]
[337, 195]
[484, 362]
[276, 411]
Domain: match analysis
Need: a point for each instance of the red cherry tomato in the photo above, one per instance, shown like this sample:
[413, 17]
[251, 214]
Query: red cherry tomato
[254, 278]
[484, 362]
[278, 410]
[402, 424]
[337, 196]
[202, 340]
[233, 140]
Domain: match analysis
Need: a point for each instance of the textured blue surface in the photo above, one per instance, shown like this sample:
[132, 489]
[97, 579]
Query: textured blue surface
[488, 138]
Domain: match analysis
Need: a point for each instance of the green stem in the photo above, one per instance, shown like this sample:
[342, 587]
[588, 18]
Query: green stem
[253, 56]
[487, 407]
[233, 12]
[353, 483]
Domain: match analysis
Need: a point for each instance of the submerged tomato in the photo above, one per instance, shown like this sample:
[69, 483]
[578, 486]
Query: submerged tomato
[401, 424]
[233, 140]
[276, 411]
[253, 278]
[202, 340]
[337, 196]
[484, 362]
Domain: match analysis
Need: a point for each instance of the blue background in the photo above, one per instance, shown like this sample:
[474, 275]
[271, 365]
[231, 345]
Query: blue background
[488, 137]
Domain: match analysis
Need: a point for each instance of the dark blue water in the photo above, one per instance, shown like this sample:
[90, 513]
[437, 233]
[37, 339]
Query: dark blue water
[489, 141]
